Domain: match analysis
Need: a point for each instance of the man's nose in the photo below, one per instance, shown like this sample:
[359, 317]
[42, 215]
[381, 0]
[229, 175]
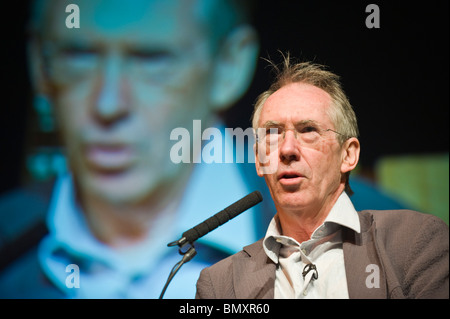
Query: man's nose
[289, 148]
[111, 104]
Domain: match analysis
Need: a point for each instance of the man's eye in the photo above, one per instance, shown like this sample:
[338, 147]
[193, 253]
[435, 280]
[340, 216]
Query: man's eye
[308, 129]
[150, 55]
[75, 51]
[273, 130]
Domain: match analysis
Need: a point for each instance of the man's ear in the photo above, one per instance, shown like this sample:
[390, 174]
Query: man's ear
[350, 154]
[38, 75]
[234, 67]
[37, 67]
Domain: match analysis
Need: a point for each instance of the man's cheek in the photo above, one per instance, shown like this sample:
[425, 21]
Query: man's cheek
[267, 159]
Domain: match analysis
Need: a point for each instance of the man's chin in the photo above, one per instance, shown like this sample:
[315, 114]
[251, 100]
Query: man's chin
[292, 200]
[120, 188]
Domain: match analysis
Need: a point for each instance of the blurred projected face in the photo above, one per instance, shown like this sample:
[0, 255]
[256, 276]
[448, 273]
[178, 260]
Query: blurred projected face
[131, 73]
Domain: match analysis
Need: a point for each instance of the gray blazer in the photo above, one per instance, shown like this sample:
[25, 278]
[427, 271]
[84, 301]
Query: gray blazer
[411, 251]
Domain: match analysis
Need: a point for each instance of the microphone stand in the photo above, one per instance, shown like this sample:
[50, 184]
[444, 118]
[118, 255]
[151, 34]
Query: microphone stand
[188, 253]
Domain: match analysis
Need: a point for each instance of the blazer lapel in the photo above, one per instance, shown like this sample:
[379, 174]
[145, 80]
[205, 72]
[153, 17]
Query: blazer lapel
[254, 279]
[366, 277]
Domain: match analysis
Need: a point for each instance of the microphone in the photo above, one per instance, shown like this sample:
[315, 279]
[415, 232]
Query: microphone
[191, 235]
[219, 219]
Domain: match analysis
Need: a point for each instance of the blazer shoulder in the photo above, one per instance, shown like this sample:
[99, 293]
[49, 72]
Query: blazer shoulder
[401, 233]
[22, 221]
[400, 219]
[22, 208]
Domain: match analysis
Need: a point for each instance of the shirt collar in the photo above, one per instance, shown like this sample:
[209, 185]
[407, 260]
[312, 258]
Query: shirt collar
[342, 214]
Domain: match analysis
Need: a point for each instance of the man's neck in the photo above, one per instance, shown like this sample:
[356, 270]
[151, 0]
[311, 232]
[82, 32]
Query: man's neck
[121, 225]
[300, 224]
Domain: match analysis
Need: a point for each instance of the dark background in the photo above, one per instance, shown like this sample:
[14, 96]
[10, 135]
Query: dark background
[397, 76]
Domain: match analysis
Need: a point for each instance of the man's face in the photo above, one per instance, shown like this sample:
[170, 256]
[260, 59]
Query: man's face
[120, 84]
[308, 171]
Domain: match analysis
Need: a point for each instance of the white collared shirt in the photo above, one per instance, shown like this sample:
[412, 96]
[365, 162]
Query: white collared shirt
[323, 250]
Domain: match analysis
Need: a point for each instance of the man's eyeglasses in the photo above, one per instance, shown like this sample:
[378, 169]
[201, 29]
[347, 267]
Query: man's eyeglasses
[307, 133]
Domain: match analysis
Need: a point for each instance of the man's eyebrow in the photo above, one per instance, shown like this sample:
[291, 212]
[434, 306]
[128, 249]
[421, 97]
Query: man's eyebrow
[306, 122]
[269, 124]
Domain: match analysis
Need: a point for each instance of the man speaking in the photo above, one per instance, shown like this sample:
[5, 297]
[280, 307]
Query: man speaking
[317, 245]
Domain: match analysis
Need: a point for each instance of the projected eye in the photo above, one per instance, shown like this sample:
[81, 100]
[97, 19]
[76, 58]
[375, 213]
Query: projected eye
[152, 64]
[150, 55]
[77, 57]
[74, 52]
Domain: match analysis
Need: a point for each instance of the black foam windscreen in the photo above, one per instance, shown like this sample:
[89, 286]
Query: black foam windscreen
[223, 216]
